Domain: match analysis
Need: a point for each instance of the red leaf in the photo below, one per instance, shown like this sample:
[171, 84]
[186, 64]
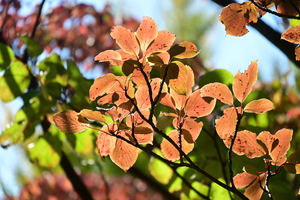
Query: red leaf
[196, 106]
[161, 43]
[245, 143]
[219, 91]
[102, 85]
[146, 32]
[169, 151]
[190, 50]
[259, 106]
[126, 39]
[236, 16]
[93, 115]
[69, 121]
[190, 128]
[243, 82]
[225, 126]
[105, 142]
[124, 154]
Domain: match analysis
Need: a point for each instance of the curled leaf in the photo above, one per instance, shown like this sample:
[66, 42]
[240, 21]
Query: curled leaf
[189, 52]
[259, 106]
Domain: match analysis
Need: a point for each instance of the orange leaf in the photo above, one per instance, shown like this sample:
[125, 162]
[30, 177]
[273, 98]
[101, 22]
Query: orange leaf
[167, 100]
[245, 143]
[126, 39]
[190, 128]
[297, 53]
[278, 155]
[253, 184]
[144, 135]
[236, 16]
[196, 106]
[93, 115]
[69, 121]
[292, 34]
[124, 154]
[190, 50]
[112, 56]
[106, 142]
[286, 7]
[146, 32]
[138, 78]
[259, 106]
[178, 99]
[219, 91]
[225, 126]
[169, 151]
[161, 43]
[102, 85]
[243, 82]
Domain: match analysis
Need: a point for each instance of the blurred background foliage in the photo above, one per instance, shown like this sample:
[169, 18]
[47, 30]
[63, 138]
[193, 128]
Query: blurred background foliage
[44, 65]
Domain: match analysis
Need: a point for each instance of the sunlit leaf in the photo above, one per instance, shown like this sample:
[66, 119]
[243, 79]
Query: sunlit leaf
[167, 100]
[124, 155]
[126, 39]
[259, 106]
[14, 81]
[6, 56]
[245, 143]
[138, 78]
[109, 55]
[297, 53]
[105, 141]
[190, 128]
[225, 126]
[161, 43]
[236, 16]
[33, 47]
[218, 192]
[219, 91]
[189, 52]
[196, 106]
[243, 82]
[69, 121]
[101, 85]
[169, 151]
[287, 7]
[292, 34]
[146, 32]
[292, 164]
[93, 115]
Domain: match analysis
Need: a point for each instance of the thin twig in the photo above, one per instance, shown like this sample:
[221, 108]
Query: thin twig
[267, 190]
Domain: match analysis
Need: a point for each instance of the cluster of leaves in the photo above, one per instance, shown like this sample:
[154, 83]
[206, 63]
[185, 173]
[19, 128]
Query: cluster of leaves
[126, 118]
[236, 16]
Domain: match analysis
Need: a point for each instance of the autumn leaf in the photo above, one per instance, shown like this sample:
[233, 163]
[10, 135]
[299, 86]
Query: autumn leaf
[190, 128]
[161, 43]
[259, 106]
[292, 164]
[124, 154]
[196, 106]
[292, 34]
[253, 184]
[146, 32]
[126, 39]
[169, 151]
[236, 16]
[219, 91]
[109, 55]
[245, 143]
[189, 52]
[225, 126]
[69, 121]
[287, 7]
[102, 85]
[243, 82]
[105, 141]
[93, 115]
[297, 53]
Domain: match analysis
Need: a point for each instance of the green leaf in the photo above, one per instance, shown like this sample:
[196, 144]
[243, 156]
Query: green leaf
[176, 184]
[14, 82]
[33, 47]
[46, 151]
[159, 170]
[84, 142]
[292, 164]
[200, 187]
[218, 75]
[13, 134]
[250, 170]
[73, 71]
[217, 192]
[6, 56]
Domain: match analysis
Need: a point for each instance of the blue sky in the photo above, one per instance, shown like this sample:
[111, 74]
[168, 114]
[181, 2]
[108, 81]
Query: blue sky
[227, 52]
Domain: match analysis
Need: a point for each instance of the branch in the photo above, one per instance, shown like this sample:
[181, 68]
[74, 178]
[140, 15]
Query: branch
[270, 34]
[267, 190]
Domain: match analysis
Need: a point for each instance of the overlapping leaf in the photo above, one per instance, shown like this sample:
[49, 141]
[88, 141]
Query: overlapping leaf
[102, 85]
[93, 115]
[219, 91]
[236, 16]
[292, 164]
[189, 52]
[161, 43]
[287, 7]
[259, 106]
[105, 141]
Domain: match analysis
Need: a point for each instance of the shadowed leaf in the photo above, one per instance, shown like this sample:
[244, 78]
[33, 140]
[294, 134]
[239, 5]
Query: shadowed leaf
[190, 50]
[190, 128]
[250, 170]
[6, 56]
[287, 7]
[128, 66]
[33, 47]
[292, 164]
[259, 106]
